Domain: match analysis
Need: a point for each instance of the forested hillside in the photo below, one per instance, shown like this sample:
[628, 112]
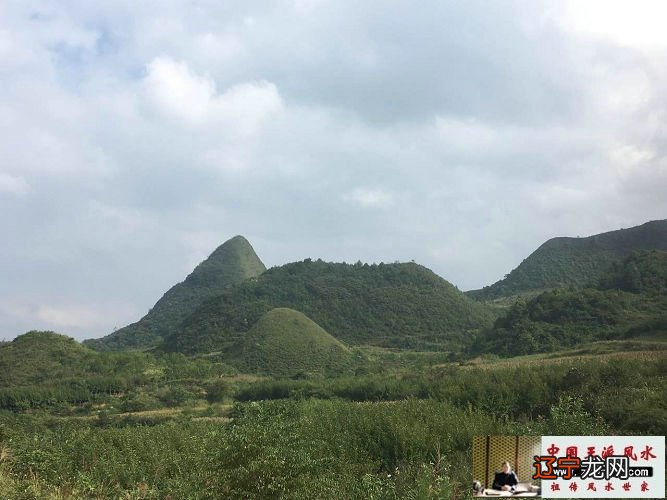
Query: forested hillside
[575, 261]
[232, 262]
[628, 300]
[391, 305]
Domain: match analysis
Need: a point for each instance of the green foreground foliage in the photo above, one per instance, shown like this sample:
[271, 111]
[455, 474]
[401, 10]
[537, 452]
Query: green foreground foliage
[402, 433]
[292, 449]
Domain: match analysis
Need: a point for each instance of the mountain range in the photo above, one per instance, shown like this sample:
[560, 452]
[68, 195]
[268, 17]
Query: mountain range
[228, 298]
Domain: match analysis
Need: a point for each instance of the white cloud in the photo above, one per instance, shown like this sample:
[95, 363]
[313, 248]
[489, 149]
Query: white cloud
[370, 197]
[118, 221]
[78, 319]
[174, 90]
[133, 142]
[248, 106]
[219, 48]
[639, 23]
[627, 158]
[10, 307]
[13, 184]
[69, 316]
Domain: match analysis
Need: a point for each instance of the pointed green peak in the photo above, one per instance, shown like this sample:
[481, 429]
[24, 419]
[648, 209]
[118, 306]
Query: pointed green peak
[232, 262]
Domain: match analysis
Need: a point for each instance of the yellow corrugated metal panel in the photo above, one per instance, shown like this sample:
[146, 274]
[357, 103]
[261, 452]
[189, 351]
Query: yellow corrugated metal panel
[479, 459]
[517, 450]
[529, 446]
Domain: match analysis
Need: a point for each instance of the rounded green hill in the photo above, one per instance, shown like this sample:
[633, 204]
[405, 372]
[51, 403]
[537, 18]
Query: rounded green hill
[285, 342]
[36, 357]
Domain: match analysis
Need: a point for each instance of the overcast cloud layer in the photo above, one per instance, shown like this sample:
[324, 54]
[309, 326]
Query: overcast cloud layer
[138, 136]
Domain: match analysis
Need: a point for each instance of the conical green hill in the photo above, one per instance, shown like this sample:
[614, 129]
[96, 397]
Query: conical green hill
[231, 263]
[285, 342]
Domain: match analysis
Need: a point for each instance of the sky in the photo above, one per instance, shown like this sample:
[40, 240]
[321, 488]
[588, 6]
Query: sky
[136, 137]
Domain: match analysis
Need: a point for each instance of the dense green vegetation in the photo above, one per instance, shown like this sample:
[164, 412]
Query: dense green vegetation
[250, 398]
[285, 342]
[523, 389]
[629, 300]
[562, 262]
[232, 262]
[37, 357]
[642, 272]
[628, 394]
[402, 434]
[393, 305]
[45, 369]
[308, 449]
